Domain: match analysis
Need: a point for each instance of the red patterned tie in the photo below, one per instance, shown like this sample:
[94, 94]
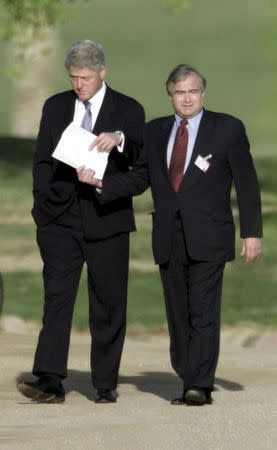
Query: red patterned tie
[178, 157]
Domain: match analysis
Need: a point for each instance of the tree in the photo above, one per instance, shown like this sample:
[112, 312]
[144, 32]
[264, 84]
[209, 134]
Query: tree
[29, 28]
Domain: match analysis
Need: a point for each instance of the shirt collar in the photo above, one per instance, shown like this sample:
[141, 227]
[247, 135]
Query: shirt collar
[193, 121]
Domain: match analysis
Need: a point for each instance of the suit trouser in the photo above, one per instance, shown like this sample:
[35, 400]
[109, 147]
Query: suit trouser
[192, 292]
[64, 252]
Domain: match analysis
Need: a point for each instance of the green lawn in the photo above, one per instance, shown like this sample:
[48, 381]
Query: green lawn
[249, 294]
[249, 290]
[233, 43]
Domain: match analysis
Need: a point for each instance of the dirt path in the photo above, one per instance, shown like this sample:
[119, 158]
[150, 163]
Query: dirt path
[243, 416]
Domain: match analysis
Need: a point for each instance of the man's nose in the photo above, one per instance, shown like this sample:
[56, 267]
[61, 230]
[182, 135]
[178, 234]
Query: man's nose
[186, 96]
[79, 83]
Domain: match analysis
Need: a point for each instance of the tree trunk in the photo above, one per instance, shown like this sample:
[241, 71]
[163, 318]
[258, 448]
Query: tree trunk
[33, 63]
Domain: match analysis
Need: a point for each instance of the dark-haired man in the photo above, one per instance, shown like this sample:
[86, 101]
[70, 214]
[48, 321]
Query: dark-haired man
[190, 161]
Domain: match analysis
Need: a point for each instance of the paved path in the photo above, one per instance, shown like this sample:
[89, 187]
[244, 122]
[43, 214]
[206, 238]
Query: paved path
[242, 417]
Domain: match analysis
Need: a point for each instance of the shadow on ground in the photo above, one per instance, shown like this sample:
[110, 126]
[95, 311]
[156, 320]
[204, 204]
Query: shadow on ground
[161, 384]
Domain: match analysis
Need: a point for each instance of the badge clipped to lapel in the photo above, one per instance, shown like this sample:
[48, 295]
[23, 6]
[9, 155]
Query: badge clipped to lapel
[203, 163]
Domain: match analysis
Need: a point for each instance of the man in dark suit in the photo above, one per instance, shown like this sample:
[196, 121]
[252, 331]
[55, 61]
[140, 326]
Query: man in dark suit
[73, 228]
[191, 160]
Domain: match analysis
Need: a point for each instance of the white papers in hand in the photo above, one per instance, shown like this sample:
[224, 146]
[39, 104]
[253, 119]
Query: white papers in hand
[73, 149]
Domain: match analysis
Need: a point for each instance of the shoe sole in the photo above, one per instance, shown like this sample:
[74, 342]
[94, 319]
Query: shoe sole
[194, 400]
[38, 396]
[104, 401]
[195, 403]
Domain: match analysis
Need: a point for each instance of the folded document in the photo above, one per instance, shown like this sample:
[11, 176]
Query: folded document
[73, 149]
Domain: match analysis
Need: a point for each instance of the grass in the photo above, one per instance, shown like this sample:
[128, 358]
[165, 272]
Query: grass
[233, 43]
[24, 297]
[249, 290]
[249, 293]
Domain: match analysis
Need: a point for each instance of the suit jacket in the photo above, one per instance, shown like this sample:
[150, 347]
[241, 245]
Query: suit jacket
[203, 197]
[56, 185]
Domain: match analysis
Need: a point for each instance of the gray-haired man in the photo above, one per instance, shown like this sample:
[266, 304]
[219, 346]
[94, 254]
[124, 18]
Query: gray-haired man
[73, 229]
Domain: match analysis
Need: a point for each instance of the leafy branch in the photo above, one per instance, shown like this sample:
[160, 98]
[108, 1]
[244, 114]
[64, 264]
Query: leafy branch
[19, 15]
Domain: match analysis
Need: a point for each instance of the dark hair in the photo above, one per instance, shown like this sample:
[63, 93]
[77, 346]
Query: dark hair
[180, 72]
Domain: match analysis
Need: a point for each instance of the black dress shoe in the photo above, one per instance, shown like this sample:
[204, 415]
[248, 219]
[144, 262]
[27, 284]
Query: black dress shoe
[105, 396]
[198, 397]
[47, 389]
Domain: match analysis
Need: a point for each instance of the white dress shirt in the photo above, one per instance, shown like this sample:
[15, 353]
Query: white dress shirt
[192, 127]
[95, 105]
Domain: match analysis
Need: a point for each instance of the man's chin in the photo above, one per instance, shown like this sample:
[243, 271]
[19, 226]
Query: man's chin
[188, 113]
[82, 97]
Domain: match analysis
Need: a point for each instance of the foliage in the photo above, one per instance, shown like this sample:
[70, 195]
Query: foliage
[31, 14]
[28, 26]
[37, 14]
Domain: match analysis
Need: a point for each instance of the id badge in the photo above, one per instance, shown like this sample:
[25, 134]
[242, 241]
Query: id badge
[202, 163]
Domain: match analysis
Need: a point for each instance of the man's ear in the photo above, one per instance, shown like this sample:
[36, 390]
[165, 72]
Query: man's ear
[170, 97]
[102, 73]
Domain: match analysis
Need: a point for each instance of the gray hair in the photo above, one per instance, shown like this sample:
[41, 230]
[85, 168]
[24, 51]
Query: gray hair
[85, 53]
[180, 72]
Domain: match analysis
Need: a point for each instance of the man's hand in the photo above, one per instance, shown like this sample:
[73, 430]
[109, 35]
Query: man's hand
[87, 176]
[251, 248]
[105, 142]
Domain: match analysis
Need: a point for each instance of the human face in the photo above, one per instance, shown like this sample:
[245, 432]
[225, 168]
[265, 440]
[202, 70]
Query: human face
[86, 82]
[187, 96]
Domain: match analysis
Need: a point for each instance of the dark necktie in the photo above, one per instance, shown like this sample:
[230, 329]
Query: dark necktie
[86, 122]
[178, 157]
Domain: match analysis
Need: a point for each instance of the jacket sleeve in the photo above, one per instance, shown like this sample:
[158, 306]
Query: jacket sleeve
[246, 184]
[129, 184]
[133, 131]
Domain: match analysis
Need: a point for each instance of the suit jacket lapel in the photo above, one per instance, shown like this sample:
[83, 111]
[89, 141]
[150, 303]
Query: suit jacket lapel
[201, 147]
[63, 115]
[165, 131]
[104, 121]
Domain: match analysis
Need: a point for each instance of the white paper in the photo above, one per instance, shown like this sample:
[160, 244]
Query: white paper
[73, 149]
